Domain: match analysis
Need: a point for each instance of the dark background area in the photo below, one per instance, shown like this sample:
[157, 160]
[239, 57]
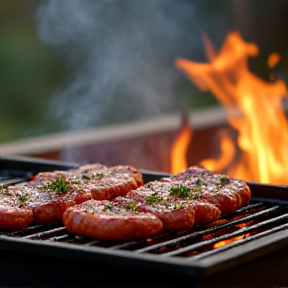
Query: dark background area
[72, 64]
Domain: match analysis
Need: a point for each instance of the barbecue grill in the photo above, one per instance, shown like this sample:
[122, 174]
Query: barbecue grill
[246, 248]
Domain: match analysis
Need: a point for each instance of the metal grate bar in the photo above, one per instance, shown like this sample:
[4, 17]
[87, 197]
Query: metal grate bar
[226, 236]
[40, 235]
[240, 241]
[250, 206]
[32, 229]
[15, 180]
[59, 238]
[62, 235]
[207, 231]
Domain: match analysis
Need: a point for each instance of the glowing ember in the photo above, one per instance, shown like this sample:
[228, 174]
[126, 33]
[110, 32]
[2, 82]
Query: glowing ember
[225, 242]
[253, 108]
[273, 59]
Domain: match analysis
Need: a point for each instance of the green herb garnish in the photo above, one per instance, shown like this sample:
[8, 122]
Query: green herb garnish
[223, 179]
[199, 182]
[4, 190]
[99, 175]
[149, 185]
[153, 199]
[22, 198]
[86, 177]
[108, 206]
[91, 176]
[59, 185]
[181, 191]
[132, 206]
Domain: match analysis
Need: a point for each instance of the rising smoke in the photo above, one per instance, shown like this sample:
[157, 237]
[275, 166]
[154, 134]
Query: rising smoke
[120, 56]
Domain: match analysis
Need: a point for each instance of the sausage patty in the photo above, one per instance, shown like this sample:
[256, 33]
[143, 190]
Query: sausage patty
[13, 212]
[49, 194]
[160, 192]
[227, 193]
[110, 220]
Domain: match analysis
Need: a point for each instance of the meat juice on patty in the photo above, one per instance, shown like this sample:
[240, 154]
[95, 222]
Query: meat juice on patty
[103, 182]
[49, 194]
[172, 192]
[111, 220]
[227, 193]
[13, 212]
[195, 195]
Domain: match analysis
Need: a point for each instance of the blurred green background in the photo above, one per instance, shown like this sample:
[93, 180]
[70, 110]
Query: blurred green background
[30, 70]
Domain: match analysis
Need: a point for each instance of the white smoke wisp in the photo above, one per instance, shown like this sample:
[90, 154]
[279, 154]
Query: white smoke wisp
[120, 57]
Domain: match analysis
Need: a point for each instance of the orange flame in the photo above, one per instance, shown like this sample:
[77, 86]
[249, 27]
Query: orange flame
[226, 157]
[180, 147]
[253, 108]
[273, 59]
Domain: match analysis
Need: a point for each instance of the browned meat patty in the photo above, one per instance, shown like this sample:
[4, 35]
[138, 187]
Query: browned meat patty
[49, 200]
[160, 192]
[104, 183]
[175, 215]
[115, 181]
[195, 195]
[227, 193]
[205, 212]
[91, 181]
[49, 194]
[109, 220]
[13, 212]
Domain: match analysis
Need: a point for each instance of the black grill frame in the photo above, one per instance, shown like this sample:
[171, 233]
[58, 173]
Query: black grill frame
[186, 270]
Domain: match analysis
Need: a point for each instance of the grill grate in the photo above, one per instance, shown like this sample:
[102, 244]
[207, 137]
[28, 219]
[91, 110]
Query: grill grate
[248, 223]
[257, 229]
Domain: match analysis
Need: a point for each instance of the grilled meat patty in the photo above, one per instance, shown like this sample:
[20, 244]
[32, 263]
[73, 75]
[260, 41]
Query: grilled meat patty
[58, 190]
[49, 194]
[114, 181]
[13, 214]
[210, 195]
[194, 195]
[227, 193]
[175, 214]
[104, 183]
[130, 213]
[111, 220]
[161, 192]
[48, 200]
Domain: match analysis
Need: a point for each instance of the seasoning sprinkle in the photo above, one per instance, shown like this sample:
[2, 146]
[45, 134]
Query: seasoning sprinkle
[4, 190]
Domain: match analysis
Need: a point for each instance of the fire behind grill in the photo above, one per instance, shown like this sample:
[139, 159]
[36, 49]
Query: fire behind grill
[197, 255]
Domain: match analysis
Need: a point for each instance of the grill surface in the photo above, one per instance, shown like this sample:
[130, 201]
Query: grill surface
[188, 257]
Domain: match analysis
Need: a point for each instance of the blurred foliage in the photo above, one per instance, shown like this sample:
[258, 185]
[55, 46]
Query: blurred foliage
[29, 70]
